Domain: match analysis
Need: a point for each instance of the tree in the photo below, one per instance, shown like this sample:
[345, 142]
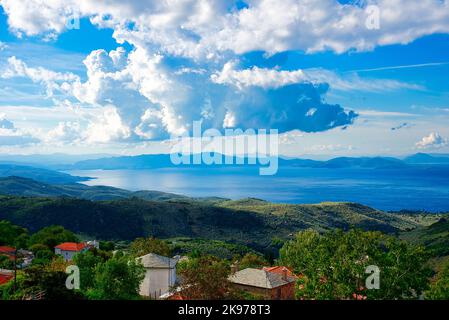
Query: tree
[251, 260]
[49, 280]
[87, 263]
[52, 236]
[439, 289]
[12, 235]
[334, 265]
[117, 279]
[143, 246]
[205, 278]
[107, 245]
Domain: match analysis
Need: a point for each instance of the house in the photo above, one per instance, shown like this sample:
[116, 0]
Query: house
[10, 252]
[160, 275]
[6, 276]
[277, 283]
[69, 249]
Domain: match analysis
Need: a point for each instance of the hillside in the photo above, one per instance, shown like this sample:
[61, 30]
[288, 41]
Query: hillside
[38, 174]
[251, 222]
[435, 237]
[19, 186]
[335, 215]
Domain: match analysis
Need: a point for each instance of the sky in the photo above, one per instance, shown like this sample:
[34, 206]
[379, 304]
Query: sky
[335, 78]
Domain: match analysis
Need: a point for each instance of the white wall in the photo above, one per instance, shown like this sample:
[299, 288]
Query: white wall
[157, 282]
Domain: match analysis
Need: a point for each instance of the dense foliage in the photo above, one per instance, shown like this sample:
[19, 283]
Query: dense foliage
[205, 278]
[333, 265]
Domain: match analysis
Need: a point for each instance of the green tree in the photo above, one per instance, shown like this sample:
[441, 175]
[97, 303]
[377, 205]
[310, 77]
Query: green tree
[6, 263]
[107, 245]
[143, 246]
[205, 278]
[52, 236]
[333, 265]
[12, 235]
[50, 281]
[117, 279]
[439, 289]
[87, 263]
[251, 260]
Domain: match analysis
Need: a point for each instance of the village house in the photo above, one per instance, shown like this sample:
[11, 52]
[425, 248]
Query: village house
[9, 252]
[160, 275]
[69, 249]
[276, 283]
[6, 276]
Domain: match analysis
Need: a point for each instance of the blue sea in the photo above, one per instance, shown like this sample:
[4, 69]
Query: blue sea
[385, 189]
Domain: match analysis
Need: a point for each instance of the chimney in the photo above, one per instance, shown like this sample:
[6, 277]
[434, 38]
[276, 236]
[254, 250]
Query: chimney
[235, 267]
[284, 274]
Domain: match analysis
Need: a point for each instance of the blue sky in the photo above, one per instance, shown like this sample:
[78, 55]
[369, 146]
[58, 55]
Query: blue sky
[134, 74]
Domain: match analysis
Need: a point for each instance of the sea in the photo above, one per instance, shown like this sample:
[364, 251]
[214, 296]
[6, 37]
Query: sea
[385, 189]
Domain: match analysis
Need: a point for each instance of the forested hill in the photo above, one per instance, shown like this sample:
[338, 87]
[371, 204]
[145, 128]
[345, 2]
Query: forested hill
[251, 222]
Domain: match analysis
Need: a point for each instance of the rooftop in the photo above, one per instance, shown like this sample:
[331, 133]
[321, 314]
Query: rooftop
[260, 278]
[71, 246]
[153, 260]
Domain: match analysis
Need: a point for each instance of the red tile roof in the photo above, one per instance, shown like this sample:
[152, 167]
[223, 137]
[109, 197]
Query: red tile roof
[4, 278]
[279, 270]
[8, 250]
[71, 246]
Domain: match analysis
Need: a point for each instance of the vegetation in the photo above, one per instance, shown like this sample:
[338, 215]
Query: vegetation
[333, 265]
[439, 289]
[216, 248]
[117, 279]
[252, 223]
[143, 246]
[52, 236]
[205, 278]
[333, 246]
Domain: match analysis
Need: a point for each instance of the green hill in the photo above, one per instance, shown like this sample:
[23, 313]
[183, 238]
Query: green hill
[253, 223]
[435, 237]
[20, 186]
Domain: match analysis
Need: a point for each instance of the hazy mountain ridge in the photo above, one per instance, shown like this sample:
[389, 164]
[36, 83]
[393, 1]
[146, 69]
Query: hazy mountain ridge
[164, 161]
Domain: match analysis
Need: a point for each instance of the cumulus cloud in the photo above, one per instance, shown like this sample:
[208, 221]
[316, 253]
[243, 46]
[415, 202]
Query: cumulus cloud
[144, 96]
[208, 28]
[432, 141]
[272, 78]
[10, 135]
[260, 77]
[53, 81]
[145, 99]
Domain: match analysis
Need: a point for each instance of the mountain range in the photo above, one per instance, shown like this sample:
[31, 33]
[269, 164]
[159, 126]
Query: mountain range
[164, 161]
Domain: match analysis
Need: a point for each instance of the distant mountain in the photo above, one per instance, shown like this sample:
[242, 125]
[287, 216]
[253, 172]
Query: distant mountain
[369, 163]
[164, 161]
[39, 174]
[47, 160]
[423, 158]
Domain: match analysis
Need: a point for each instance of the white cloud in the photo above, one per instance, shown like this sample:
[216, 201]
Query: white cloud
[265, 78]
[54, 81]
[432, 141]
[208, 28]
[3, 46]
[65, 132]
[272, 78]
[10, 135]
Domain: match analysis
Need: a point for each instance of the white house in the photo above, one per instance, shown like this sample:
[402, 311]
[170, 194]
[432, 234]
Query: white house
[69, 249]
[160, 275]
